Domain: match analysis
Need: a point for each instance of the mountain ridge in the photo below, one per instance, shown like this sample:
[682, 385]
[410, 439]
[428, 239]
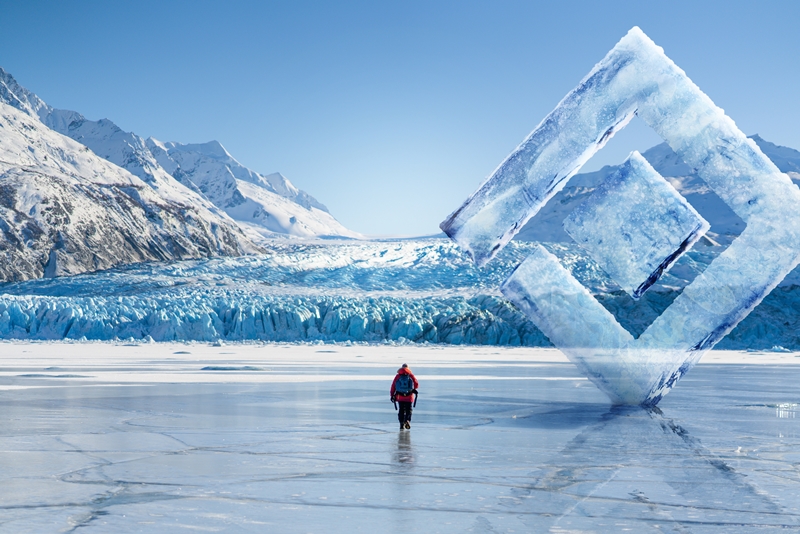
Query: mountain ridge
[161, 165]
[725, 225]
[64, 210]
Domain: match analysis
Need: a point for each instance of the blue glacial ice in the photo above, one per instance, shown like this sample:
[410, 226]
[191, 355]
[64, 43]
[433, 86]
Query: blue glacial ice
[636, 77]
[635, 225]
[330, 291]
[333, 291]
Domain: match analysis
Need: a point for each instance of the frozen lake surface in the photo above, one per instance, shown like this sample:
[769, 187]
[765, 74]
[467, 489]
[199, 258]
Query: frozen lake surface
[302, 438]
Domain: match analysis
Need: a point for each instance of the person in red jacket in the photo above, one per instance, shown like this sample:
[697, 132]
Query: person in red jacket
[404, 390]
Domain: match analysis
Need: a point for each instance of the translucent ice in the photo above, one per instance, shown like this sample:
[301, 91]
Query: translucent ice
[635, 225]
[636, 77]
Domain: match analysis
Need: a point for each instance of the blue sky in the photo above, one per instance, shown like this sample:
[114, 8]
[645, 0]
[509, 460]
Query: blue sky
[390, 113]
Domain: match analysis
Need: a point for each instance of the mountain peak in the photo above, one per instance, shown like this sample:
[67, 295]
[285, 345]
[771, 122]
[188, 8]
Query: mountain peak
[17, 96]
[212, 149]
[785, 158]
[196, 173]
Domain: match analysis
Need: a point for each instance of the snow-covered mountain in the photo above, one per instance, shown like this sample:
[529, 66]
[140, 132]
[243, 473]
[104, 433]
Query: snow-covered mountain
[725, 225]
[64, 210]
[262, 205]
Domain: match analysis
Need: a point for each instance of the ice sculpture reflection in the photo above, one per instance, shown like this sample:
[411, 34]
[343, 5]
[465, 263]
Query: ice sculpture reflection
[636, 464]
[636, 77]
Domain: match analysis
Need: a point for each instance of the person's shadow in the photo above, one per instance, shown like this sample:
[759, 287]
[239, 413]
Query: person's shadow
[636, 467]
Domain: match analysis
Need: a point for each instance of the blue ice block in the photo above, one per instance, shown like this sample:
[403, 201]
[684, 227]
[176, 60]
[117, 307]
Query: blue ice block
[636, 77]
[643, 370]
[635, 225]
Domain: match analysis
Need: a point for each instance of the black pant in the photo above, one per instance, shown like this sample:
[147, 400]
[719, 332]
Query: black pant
[404, 414]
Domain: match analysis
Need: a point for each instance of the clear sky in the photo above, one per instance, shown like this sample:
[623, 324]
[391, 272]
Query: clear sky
[390, 113]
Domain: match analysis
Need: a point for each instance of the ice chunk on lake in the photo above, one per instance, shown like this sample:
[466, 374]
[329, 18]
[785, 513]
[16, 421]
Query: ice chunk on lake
[583, 329]
[635, 225]
[643, 370]
[636, 77]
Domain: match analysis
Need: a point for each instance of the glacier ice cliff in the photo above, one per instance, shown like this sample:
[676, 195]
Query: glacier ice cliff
[378, 291]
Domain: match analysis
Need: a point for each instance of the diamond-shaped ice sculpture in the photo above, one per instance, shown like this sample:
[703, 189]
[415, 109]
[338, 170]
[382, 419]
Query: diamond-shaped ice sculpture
[636, 77]
[635, 225]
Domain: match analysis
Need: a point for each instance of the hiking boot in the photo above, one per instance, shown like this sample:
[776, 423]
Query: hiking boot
[402, 426]
[408, 425]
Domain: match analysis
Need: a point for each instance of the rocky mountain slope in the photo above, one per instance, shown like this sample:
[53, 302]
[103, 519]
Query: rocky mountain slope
[263, 205]
[64, 210]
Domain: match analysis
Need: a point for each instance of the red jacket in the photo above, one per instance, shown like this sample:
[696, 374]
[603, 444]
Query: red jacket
[404, 371]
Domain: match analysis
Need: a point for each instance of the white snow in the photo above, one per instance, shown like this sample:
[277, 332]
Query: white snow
[64, 210]
[265, 205]
[203, 174]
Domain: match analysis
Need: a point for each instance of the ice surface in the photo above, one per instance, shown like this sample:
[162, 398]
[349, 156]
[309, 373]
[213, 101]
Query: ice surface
[636, 77]
[147, 442]
[635, 225]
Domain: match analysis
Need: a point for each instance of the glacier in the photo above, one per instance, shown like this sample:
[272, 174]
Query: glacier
[328, 291]
[325, 291]
[415, 285]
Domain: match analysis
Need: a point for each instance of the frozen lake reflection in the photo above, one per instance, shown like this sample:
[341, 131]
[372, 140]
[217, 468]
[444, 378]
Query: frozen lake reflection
[639, 467]
[162, 438]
